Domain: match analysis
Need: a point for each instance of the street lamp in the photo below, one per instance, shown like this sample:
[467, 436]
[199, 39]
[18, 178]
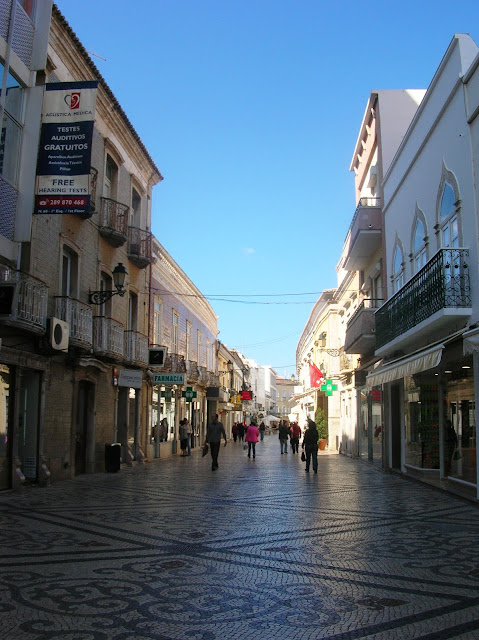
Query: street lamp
[119, 275]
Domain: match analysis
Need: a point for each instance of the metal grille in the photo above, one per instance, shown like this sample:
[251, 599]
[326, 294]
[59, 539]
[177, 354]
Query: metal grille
[4, 17]
[23, 37]
[8, 207]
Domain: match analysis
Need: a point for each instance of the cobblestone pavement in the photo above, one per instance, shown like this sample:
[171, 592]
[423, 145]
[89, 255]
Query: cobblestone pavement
[256, 550]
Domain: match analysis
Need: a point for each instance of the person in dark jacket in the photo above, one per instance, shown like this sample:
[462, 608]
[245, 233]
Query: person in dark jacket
[283, 436]
[310, 445]
[241, 430]
[214, 432]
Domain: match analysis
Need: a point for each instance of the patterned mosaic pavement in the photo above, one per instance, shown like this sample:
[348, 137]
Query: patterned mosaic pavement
[257, 550]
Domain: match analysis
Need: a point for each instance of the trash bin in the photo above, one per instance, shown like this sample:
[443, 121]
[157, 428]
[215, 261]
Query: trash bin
[112, 457]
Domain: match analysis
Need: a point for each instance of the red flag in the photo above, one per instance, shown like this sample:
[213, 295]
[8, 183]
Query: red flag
[315, 375]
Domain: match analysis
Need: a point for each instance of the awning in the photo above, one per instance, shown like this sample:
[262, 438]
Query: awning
[471, 341]
[421, 361]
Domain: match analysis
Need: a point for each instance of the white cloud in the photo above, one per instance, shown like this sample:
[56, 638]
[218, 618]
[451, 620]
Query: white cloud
[249, 251]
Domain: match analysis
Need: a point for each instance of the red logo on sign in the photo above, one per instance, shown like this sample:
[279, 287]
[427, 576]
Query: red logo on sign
[72, 100]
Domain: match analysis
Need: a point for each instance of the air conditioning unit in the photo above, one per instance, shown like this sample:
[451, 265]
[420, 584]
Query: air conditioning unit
[58, 333]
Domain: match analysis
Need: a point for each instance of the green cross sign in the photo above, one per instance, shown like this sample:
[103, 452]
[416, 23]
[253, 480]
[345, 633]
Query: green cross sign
[329, 387]
[189, 394]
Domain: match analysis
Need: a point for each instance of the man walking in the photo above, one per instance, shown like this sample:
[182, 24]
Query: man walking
[214, 431]
[310, 444]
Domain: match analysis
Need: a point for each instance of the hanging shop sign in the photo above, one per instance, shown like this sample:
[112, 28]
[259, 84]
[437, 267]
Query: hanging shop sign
[169, 378]
[63, 183]
[130, 378]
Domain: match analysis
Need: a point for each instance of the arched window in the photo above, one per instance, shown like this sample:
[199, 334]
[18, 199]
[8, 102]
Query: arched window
[398, 269]
[419, 248]
[448, 215]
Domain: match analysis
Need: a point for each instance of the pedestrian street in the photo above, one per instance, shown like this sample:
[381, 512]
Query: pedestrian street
[256, 550]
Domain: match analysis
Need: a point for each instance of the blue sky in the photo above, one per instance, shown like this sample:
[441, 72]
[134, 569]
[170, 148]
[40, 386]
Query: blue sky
[251, 110]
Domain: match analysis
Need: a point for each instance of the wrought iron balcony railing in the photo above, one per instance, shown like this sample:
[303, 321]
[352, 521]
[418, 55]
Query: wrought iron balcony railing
[79, 317]
[108, 338]
[136, 348]
[29, 303]
[114, 221]
[140, 247]
[442, 283]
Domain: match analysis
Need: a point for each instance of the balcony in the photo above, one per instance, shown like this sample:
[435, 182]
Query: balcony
[140, 247]
[361, 328]
[114, 221]
[365, 234]
[174, 363]
[108, 338]
[136, 348]
[345, 363]
[80, 319]
[29, 297]
[435, 300]
[192, 373]
[203, 378]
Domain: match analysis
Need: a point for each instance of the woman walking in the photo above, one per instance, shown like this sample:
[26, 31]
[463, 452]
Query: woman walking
[252, 436]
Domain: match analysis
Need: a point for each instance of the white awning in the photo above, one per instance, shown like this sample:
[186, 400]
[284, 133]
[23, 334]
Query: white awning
[471, 341]
[421, 361]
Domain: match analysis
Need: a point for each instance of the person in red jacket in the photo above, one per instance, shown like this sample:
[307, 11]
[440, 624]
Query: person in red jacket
[252, 436]
[295, 436]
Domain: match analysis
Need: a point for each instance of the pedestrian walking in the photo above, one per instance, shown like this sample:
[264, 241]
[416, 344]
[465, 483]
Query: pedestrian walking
[252, 435]
[283, 436]
[295, 436]
[241, 430]
[164, 430]
[189, 433]
[262, 429]
[310, 445]
[214, 431]
[235, 431]
[183, 437]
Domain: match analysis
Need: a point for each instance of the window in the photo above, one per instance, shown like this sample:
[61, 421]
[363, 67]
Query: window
[157, 320]
[199, 340]
[419, 249]
[448, 217]
[135, 208]
[174, 334]
[69, 282]
[398, 270]
[11, 136]
[28, 6]
[111, 178]
[188, 339]
[208, 354]
[133, 312]
[106, 284]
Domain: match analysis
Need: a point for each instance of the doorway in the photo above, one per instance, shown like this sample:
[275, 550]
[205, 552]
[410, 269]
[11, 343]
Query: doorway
[396, 426]
[84, 426]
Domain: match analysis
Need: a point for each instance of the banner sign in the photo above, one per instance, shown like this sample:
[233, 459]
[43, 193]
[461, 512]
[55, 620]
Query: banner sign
[64, 156]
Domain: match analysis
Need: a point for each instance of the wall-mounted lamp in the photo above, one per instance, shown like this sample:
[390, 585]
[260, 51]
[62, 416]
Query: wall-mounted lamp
[119, 275]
